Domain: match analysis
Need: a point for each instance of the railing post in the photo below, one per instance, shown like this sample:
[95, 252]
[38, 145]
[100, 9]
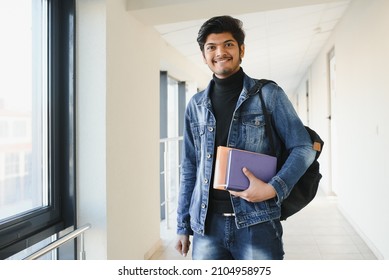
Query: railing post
[82, 247]
[166, 176]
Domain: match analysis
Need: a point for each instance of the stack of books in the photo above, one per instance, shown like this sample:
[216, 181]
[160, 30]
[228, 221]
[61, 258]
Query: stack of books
[230, 162]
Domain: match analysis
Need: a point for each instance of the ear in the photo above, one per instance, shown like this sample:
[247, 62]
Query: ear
[242, 49]
[205, 61]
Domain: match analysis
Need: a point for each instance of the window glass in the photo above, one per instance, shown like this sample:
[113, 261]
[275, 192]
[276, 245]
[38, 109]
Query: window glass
[23, 107]
[172, 162]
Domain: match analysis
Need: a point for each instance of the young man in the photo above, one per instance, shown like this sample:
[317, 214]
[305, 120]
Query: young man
[235, 225]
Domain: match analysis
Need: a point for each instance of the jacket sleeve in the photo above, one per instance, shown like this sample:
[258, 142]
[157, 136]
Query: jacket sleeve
[187, 178]
[291, 131]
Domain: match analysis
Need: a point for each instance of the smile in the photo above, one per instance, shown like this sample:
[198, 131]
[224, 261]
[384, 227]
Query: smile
[222, 60]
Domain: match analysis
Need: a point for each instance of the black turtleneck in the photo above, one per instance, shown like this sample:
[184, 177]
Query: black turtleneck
[224, 95]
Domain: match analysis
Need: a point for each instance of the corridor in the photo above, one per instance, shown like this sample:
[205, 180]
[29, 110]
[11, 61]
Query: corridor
[318, 232]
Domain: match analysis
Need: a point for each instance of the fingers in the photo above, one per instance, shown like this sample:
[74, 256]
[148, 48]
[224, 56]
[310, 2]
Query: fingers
[243, 194]
[185, 249]
[183, 245]
[248, 173]
[257, 191]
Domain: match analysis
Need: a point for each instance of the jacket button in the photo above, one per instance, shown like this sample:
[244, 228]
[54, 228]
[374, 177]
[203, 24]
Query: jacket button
[210, 129]
[209, 155]
[203, 205]
[205, 181]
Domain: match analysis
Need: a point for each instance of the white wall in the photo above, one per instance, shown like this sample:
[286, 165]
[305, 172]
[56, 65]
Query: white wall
[180, 68]
[359, 119]
[132, 135]
[118, 131]
[118, 64]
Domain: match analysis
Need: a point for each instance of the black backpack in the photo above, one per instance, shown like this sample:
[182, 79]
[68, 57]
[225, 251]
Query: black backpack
[304, 191]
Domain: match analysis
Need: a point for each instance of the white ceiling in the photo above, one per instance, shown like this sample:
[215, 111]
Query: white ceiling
[282, 37]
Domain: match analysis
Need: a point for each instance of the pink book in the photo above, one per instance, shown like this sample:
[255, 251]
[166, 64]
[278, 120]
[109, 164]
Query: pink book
[219, 177]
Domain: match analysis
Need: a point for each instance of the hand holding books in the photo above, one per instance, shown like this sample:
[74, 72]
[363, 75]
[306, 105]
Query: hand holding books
[244, 173]
[257, 191]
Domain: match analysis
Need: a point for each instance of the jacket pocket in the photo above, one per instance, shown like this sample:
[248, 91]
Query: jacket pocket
[198, 132]
[252, 132]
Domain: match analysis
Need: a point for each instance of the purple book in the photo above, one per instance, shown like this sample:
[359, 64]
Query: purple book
[263, 166]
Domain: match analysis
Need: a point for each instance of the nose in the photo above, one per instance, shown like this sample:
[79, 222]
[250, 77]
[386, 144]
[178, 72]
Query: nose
[220, 51]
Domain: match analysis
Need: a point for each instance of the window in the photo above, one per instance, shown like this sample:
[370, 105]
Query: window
[172, 107]
[36, 122]
[3, 128]
[173, 143]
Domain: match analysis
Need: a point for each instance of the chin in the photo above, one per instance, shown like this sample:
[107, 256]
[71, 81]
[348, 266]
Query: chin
[224, 72]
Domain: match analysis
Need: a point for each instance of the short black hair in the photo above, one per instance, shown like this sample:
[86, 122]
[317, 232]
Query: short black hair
[220, 24]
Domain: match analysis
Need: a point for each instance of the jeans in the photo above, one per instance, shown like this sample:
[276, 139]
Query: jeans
[224, 241]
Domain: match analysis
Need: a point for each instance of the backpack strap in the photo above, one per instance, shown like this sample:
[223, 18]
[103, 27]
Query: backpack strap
[317, 142]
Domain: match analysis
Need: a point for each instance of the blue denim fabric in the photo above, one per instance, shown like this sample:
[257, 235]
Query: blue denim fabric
[246, 132]
[224, 241]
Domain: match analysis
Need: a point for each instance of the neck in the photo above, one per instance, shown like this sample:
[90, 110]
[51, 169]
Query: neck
[234, 81]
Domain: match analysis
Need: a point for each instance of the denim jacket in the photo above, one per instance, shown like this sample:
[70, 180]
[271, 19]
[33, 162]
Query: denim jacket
[246, 132]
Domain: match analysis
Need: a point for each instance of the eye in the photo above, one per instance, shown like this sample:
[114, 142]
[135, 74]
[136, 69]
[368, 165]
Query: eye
[210, 48]
[229, 44]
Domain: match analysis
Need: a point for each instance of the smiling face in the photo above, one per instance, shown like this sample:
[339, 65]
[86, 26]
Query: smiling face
[222, 54]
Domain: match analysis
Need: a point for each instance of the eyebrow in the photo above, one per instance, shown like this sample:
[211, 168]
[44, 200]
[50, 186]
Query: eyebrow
[226, 41]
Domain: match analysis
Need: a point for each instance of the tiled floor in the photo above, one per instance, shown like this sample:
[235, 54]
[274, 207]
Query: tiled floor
[318, 232]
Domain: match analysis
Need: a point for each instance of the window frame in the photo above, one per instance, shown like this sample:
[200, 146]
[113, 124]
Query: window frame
[22, 231]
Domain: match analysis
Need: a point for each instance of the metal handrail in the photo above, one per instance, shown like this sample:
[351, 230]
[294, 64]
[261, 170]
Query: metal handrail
[178, 138]
[55, 244]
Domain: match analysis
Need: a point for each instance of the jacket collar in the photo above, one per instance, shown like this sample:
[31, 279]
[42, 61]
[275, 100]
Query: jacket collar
[248, 83]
